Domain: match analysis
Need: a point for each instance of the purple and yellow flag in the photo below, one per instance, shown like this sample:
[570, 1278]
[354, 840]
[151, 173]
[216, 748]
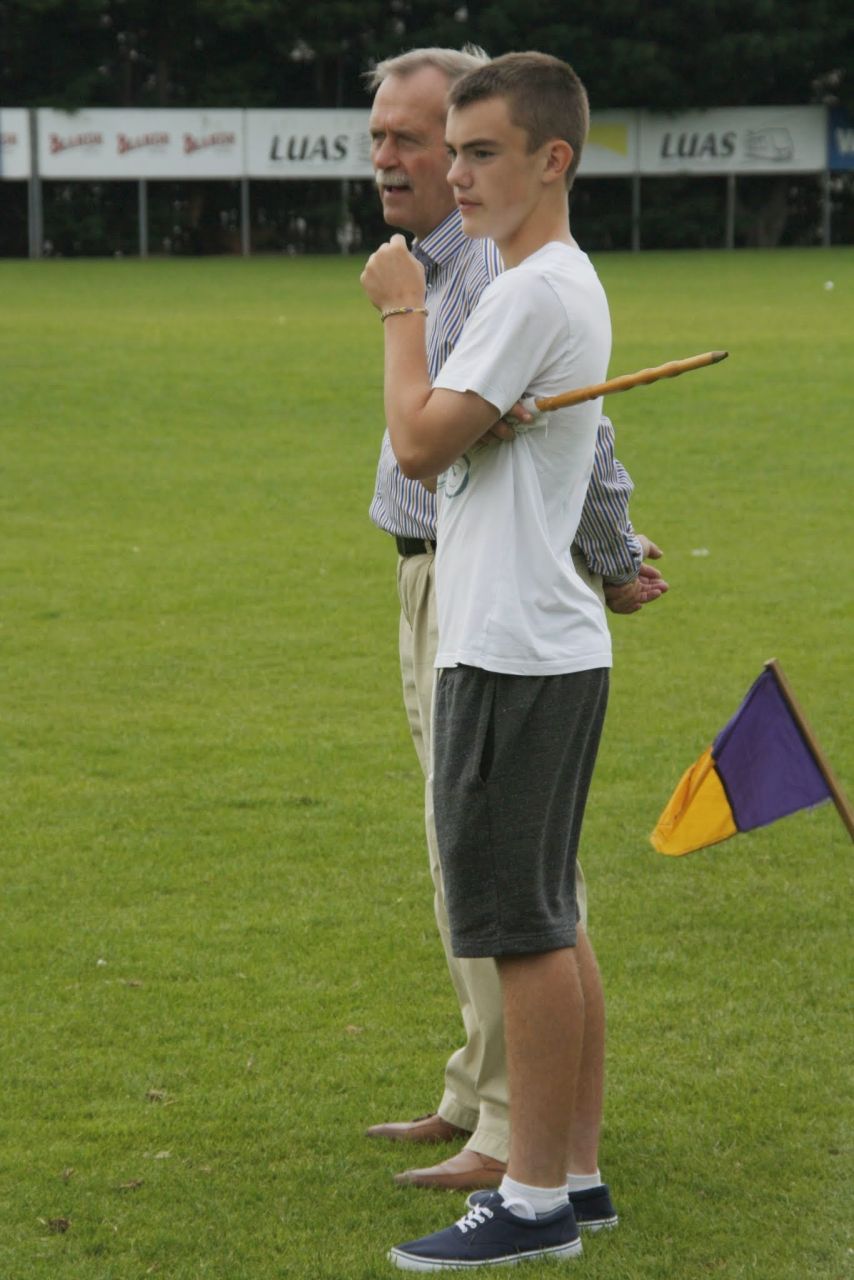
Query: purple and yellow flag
[764, 765]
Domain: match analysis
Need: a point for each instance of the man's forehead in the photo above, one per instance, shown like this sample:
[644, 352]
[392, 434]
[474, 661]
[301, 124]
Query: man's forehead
[411, 103]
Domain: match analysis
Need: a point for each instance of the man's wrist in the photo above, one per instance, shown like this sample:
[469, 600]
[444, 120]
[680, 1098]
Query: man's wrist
[619, 580]
[387, 312]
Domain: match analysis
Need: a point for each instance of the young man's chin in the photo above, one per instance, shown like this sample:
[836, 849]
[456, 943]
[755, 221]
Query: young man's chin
[474, 219]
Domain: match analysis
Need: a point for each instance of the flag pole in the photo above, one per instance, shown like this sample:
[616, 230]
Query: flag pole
[839, 797]
[628, 380]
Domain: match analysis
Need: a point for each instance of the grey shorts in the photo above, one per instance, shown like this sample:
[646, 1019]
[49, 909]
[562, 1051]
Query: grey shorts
[512, 761]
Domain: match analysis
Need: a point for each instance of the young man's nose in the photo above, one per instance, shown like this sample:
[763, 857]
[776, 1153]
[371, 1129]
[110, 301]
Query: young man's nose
[457, 176]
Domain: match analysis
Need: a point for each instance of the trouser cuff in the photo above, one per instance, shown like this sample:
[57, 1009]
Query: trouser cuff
[455, 1113]
[491, 1140]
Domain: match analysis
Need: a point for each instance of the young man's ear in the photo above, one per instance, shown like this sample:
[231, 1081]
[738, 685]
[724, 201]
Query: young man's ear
[558, 157]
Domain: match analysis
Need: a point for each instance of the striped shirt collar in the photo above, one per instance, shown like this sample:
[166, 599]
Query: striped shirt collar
[443, 243]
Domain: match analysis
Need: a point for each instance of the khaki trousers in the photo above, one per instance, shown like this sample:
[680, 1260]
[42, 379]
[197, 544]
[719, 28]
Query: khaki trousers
[475, 1095]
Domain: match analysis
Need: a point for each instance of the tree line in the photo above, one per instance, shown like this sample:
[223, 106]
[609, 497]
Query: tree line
[286, 53]
[662, 56]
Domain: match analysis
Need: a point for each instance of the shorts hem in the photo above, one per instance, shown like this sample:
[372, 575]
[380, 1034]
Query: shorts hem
[524, 944]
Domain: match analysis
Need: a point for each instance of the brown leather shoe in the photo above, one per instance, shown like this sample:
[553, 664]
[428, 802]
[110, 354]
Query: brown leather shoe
[466, 1171]
[425, 1129]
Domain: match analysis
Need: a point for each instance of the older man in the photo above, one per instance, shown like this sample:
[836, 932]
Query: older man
[411, 164]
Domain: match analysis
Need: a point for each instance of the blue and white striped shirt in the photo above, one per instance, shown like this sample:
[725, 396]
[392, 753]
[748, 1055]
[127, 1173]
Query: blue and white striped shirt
[458, 269]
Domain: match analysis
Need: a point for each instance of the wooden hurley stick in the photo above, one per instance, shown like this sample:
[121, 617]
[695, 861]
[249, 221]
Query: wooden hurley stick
[629, 380]
[838, 796]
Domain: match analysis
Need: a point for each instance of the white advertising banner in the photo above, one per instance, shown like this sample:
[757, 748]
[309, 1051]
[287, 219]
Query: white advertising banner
[135, 143]
[308, 144]
[735, 140]
[14, 142]
[114, 143]
[611, 150]
[336, 144]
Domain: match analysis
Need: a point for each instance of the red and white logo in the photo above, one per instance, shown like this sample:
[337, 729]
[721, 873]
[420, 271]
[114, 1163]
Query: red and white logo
[8, 139]
[192, 143]
[125, 144]
[57, 144]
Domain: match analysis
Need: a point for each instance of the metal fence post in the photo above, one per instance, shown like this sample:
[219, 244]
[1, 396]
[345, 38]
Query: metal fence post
[245, 226]
[636, 212]
[35, 208]
[143, 217]
[730, 211]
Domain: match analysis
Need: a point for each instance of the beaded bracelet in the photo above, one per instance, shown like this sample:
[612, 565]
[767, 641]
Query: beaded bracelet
[403, 311]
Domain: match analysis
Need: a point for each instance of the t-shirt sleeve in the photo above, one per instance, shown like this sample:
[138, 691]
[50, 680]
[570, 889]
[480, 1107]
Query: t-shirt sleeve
[513, 335]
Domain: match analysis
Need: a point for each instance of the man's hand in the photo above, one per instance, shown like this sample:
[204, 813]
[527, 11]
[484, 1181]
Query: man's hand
[393, 278]
[629, 597]
[503, 429]
[650, 550]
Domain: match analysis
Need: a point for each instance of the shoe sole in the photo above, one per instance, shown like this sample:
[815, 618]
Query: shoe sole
[411, 1262]
[598, 1224]
[439, 1183]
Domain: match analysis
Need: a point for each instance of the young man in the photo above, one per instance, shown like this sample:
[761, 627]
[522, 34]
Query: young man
[411, 164]
[524, 649]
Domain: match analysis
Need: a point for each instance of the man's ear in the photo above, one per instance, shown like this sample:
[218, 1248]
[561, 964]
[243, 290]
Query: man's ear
[558, 158]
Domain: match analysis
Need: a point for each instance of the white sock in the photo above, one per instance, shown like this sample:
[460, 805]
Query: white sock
[531, 1202]
[583, 1181]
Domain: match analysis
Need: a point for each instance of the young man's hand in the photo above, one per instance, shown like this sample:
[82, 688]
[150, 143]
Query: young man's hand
[393, 278]
[504, 429]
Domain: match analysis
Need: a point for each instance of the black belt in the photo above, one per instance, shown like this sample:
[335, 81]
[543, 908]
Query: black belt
[415, 546]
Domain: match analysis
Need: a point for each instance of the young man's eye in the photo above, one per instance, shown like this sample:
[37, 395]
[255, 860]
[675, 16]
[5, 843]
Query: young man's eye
[482, 154]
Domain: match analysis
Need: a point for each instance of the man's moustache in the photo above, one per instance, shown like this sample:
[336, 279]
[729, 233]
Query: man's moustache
[385, 179]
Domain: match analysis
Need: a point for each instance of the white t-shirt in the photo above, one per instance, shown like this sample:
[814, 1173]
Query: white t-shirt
[508, 595]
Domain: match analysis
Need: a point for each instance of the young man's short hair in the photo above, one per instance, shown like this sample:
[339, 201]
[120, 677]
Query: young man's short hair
[455, 63]
[544, 97]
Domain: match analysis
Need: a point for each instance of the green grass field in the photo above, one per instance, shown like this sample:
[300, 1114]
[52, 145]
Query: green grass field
[217, 954]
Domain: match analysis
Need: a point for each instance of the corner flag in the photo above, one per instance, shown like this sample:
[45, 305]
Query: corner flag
[763, 765]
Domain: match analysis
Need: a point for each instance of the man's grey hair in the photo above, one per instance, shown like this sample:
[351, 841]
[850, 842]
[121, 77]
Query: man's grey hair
[455, 63]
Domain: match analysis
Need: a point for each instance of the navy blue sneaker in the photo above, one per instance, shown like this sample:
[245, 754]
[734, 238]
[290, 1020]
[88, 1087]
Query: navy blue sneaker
[489, 1235]
[594, 1208]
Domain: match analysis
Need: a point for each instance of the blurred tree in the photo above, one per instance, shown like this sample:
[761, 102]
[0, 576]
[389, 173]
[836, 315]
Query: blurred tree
[701, 53]
[288, 53]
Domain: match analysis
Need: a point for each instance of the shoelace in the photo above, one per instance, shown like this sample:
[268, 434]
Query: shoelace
[474, 1218]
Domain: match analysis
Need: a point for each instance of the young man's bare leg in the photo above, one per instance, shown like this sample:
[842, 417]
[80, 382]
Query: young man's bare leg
[543, 1022]
[590, 1198]
[586, 1125]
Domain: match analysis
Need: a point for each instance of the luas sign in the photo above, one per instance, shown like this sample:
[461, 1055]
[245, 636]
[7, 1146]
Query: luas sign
[737, 140]
[308, 144]
[309, 147]
[694, 145]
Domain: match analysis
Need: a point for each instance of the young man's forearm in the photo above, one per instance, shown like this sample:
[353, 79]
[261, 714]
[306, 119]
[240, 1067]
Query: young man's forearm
[407, 387]
[428, 429]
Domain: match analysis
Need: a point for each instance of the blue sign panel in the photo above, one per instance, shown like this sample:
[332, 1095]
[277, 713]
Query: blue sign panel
[840, 140]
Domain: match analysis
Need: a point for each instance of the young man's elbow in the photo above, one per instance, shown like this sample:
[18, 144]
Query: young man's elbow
[417, 461]
[416, 465]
